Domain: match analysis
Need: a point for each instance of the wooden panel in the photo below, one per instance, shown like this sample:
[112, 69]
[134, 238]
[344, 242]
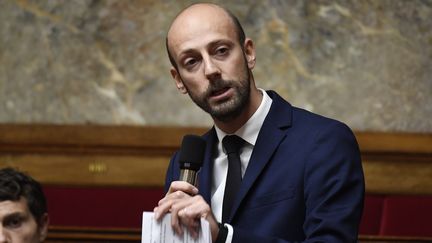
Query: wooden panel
[91, 169]
[91, 155]
[90, 138]
[388, 177]
[394, 163]
[396, 143]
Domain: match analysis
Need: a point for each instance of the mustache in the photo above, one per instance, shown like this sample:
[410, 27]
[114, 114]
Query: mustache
[216, 85]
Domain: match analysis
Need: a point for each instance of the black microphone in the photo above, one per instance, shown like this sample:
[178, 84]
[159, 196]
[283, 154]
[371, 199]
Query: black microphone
[191, 157]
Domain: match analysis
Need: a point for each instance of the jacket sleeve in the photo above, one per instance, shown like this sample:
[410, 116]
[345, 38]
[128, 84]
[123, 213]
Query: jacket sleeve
[172, 173]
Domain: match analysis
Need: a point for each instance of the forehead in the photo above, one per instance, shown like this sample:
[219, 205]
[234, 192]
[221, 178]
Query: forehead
[10, 207]
[199, 26]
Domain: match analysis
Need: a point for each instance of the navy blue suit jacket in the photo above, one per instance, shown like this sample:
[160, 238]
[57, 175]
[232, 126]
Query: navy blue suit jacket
[304, 181]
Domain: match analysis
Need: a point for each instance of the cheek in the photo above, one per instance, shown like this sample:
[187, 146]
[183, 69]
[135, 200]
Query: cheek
[236, 70]
[236, 64]
[28, 233]
[195, 83]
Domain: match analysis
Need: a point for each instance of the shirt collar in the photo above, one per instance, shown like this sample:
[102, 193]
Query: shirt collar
[249, 131]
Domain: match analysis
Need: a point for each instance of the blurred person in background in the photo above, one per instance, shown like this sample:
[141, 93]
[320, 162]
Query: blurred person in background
[23, 208]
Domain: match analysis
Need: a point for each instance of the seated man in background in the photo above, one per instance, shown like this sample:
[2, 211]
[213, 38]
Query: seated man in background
[23, 209]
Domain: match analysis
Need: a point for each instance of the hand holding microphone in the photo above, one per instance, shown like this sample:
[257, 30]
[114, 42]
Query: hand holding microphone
[191, 157]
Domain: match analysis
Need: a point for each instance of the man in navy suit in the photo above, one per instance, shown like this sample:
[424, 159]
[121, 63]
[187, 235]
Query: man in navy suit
[302, 178]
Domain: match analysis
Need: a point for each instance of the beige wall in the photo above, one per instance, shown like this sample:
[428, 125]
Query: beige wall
[367, 63]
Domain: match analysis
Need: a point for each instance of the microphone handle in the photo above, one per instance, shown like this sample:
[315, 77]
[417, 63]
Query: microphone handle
[189, 176]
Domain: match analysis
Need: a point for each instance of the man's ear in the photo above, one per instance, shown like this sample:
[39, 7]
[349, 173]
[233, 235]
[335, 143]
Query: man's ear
[43, 227]
[249, 51]
[178, 80]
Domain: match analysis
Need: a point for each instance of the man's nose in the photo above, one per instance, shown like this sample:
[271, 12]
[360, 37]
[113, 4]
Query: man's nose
[211, 69]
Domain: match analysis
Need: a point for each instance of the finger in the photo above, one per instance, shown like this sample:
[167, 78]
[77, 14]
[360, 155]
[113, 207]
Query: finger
[175, 218]
[199, 209]
[178, 208]
[165, 204]
[194, 229]
[161, 210]
[185, 211]
[182, 186]
[190, 221]
[173, 196]
[196, 208]
[175, 224]
[191, 214]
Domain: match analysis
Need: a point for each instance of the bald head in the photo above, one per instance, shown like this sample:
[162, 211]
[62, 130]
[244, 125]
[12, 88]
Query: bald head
[203, 15]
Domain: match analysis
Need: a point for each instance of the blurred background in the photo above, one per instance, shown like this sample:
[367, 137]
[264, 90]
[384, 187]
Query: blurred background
[88, 107]
[367, 63]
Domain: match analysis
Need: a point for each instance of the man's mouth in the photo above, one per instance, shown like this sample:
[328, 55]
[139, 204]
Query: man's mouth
[219, 91]
[220, 94]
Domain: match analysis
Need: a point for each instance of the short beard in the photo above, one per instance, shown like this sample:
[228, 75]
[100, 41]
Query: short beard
[226, 110]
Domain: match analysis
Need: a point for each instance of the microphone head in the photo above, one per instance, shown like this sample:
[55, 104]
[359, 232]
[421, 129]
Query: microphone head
[192, 152]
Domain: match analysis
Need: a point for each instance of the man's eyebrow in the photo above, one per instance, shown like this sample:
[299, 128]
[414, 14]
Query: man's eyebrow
[185, 52]
[209, 45]
[219, 42]
[14, 215]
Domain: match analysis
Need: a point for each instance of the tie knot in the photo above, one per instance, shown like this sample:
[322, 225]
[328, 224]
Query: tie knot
[232, 143]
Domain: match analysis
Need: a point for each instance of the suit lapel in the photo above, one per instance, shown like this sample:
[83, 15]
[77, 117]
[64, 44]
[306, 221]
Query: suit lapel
[205, 174]
[270, 136]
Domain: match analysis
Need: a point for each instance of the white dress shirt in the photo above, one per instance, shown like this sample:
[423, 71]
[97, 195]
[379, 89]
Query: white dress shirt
[248, 132]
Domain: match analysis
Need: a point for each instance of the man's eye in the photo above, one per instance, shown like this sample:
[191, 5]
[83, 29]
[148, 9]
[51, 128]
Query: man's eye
[221, 51]
[190, 62]
[14, 223]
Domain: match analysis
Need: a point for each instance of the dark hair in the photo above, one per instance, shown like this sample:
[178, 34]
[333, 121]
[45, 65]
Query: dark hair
[238, 29]
[15, 184]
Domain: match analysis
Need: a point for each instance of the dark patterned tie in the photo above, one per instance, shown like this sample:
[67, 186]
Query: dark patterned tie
[232, 145]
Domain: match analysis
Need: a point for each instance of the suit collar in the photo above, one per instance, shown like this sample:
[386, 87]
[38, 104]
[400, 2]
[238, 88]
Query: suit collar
[281, 111]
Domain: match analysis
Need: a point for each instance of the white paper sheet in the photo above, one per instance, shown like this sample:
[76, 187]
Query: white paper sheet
[161, 231]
